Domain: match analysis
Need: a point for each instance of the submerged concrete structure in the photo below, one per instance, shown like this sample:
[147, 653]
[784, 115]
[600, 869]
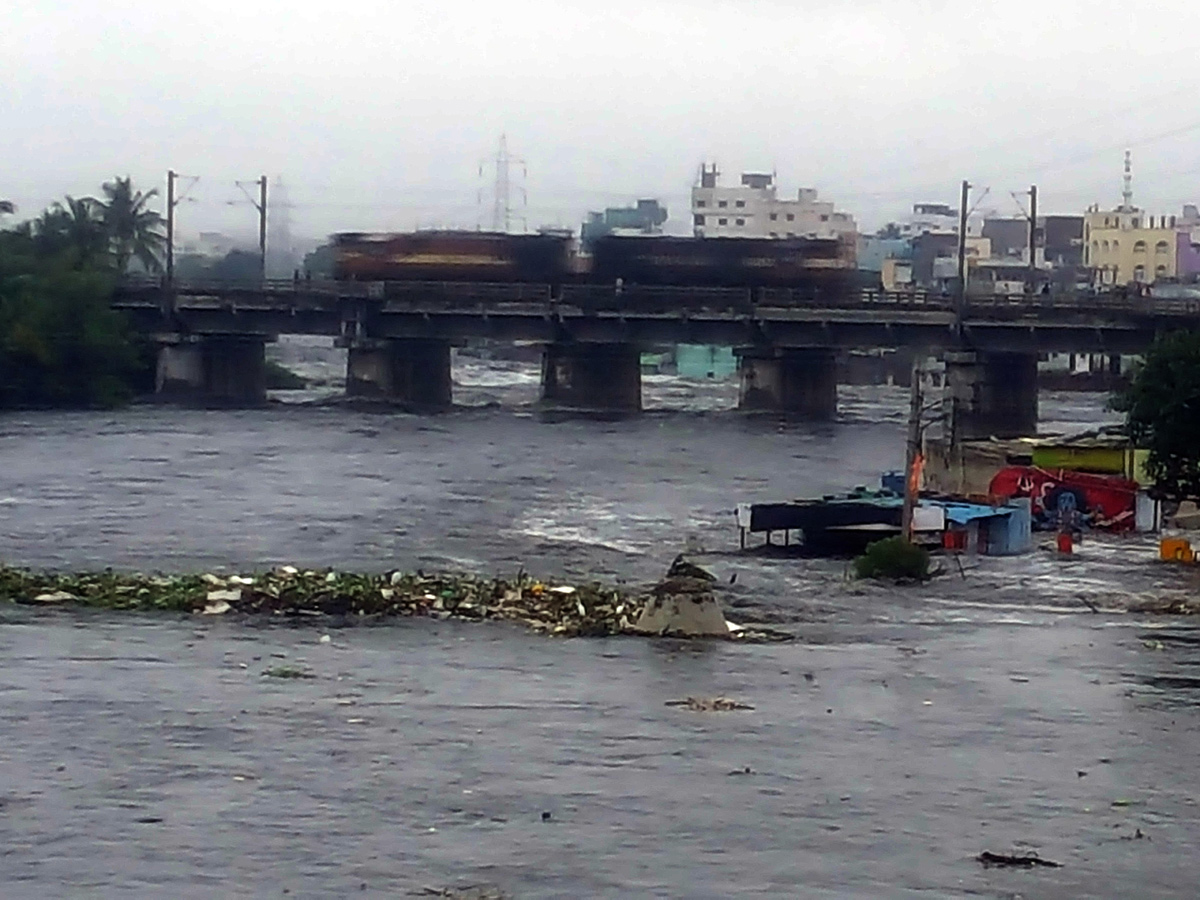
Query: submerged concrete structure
[993, 394]
[602, 377]
[409, 372]
[800, 382]
[227, 370]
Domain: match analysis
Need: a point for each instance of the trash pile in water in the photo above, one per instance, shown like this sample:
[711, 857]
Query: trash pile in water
[592, 610]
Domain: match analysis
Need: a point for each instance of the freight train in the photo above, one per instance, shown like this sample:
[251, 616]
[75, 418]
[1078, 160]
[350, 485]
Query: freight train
[811, 264]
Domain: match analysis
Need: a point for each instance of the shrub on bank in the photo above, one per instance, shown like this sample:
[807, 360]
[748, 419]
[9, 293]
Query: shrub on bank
[894, 558]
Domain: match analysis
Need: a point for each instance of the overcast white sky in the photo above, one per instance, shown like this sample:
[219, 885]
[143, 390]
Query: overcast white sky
[376, 113]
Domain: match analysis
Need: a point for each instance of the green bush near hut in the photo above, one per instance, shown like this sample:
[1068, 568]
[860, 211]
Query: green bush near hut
[893, 558]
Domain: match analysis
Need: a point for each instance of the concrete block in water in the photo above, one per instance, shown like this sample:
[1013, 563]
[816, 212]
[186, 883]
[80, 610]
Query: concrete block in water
[697, 614]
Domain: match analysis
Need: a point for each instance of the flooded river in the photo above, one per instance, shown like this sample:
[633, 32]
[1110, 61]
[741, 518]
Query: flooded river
[903, 733]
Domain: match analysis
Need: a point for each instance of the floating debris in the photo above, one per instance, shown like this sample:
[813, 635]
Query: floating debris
[288, 672]
[709, 704]
[55, 597]
[1028, 860]
[474, 892]
[581, 610]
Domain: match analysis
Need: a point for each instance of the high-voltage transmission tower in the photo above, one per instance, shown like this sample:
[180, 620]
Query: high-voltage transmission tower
[502, 206]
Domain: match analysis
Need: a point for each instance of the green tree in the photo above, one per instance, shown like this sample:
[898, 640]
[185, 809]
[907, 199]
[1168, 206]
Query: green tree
[73, 231]
[135, 231]
[60, 342]
[1162, 410]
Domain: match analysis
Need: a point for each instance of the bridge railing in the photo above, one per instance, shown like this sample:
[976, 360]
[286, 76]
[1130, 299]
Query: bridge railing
[649, 299]
[462, 295]
[301, 294]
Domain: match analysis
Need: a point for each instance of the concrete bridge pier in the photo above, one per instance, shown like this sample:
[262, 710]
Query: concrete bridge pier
[602, 377]
[226, 370]
[991, 395]
[413, 372]
[799, 382]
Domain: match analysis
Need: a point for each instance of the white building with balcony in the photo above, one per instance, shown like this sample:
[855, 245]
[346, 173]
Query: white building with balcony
[753, 209]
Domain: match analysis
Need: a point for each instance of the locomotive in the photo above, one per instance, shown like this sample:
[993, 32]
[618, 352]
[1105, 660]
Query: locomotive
[465, 256]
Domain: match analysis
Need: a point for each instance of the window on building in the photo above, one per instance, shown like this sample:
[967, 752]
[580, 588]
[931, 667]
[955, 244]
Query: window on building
[1095, 247]
[700, 204]
[740, 204]
[1160, 247]
[1139, 247]
[791, 234]
[1139, 273]
[722, 221]
[1116, 246]
[824, 218]
[774, 217]
[1105, 246]
[699, 220]
[774, 234]
[740, 221]
[791, 217]
[1160, 271]
[722, 204]
[1135, 223]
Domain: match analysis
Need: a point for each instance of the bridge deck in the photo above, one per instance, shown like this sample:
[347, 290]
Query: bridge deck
[637, 313]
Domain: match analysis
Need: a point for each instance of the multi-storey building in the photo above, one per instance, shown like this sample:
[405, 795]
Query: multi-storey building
[753, 209]
[1127, 245]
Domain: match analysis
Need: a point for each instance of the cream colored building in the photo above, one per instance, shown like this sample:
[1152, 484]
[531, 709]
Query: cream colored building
[1127, 245]
[753, 209]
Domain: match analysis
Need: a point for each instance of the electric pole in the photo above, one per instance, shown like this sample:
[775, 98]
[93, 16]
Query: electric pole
[262, 228]
[170, 227]
[1033, 238]
[912, 450]
[502, 212]
[261, 205]
[172, 202]
[961, 295]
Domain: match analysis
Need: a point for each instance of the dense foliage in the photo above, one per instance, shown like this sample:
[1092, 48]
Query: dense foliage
[1162, 408]
[60, 342]
[893, 558]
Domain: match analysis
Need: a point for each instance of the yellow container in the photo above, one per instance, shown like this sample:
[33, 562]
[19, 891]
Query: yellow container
[1175, 549]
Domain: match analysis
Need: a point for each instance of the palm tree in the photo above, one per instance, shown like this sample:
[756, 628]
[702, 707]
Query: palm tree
[135, 232]
[76, 227]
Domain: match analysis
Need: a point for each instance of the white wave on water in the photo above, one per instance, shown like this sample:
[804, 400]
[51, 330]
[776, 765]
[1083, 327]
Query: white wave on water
[495, 375]
[549, 530]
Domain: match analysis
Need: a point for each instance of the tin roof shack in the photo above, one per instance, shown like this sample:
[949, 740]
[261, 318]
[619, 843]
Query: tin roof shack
[967, 468]
[975, 528]
[843, 525]
[835, 525]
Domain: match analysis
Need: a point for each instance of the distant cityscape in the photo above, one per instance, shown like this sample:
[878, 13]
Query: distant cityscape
[1098, 248]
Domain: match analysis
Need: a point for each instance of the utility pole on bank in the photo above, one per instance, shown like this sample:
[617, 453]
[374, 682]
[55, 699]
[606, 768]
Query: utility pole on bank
[1033, 238]
[960, 300]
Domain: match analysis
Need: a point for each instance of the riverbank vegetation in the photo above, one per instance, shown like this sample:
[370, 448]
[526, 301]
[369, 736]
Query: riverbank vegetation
[893, 558]
[61, 345]
[1162, 409]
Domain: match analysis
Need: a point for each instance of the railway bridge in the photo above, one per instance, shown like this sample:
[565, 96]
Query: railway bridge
[399, 336]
